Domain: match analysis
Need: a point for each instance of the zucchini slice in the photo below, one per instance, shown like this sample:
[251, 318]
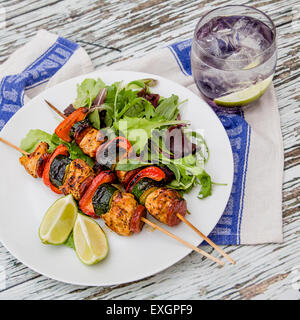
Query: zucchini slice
[57, 169]
[102, 198]
[144, 196]
[79, 126]
[142, 186]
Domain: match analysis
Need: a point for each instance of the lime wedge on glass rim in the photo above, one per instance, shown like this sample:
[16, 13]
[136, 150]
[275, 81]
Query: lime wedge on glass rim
[245, 96]
[58, 221]
[90, 240]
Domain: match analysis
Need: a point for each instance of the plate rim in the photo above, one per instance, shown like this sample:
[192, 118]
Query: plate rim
[98, 73]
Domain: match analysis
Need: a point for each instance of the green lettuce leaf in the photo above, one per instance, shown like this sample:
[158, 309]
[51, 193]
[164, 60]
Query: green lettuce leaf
[35, 136]
[139, 108]
[74, 150]
[70, 241]
[139, 130]
[189, 171]
[87, 92]
[167, 108]
[94, 118]
[77, 153]
[204, 180]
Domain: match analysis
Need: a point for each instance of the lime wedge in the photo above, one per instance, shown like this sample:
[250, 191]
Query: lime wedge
[58, 221]
[90, 240]
[253, 64]
[245, 96]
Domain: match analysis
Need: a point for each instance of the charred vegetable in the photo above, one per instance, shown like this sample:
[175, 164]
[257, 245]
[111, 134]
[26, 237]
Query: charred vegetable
[86, 202]
[142, 187]
[58, 169]
[64, 128]
[79, 127]
[102, 198]
[152, 172]
[60, 150]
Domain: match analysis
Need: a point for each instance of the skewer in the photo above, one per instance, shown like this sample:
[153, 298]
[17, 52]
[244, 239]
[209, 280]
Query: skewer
[207, 255]
[55, 109]
[153, 225]
[224, 254]
[178, 215]
[13, 146]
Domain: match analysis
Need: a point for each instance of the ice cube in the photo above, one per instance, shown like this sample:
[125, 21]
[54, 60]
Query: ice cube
[249, 34]
[224, 36]
[239, 59]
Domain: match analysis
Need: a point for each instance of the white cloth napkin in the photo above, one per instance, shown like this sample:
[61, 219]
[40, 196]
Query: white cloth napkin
[253, 214]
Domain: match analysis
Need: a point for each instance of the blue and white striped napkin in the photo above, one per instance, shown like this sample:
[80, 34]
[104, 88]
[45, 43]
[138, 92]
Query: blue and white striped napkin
[46, 60]
[253, 214]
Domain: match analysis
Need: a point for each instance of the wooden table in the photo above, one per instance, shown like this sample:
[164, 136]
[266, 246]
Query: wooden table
[136, 27]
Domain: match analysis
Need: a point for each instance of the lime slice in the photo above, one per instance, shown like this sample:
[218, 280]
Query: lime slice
[245, 96]
[58, 221]
[90, 240]
[253, 64]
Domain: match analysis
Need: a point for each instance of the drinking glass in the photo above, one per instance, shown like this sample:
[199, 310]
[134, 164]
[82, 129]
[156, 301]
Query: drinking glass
[234, 55]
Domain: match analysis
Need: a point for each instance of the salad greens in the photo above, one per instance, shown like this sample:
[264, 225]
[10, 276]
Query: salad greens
[129, 113]
[87, 92]
[139, 130]
[168, 108]
[94, 118]
[70, 241]
[33, 137]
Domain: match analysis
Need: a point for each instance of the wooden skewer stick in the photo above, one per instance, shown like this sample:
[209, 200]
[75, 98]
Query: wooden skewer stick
[13, 146]
[55, 109]
[207, 255]
[153, 225]
[183, 219]
[180, 217]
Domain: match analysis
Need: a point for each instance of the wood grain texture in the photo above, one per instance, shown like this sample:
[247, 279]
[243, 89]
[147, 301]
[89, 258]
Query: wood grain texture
[136, 27]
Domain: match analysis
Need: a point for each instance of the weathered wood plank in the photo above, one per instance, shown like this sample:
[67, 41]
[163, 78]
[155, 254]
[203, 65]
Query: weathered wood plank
[136, 27]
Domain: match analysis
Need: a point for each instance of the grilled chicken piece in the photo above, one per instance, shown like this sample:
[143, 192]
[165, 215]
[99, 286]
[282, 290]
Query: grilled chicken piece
[78, 178]
[91, 142]
[164, 204]
[119, 216]
[34, 163]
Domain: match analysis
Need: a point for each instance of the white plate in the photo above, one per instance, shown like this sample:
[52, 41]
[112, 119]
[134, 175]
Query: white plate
[24, 200]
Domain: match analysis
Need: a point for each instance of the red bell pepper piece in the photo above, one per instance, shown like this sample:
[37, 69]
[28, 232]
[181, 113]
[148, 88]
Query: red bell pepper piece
[60, 150]
[129, 175]
[41, 164]
[63, 129]
[86, 202]
[153, 173]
